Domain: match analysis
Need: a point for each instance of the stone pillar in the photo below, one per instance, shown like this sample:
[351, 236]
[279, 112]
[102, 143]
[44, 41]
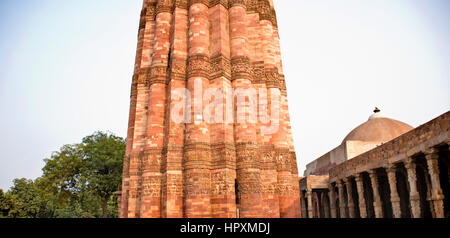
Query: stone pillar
[395, 198]
[413, 192]
[326, 206]
[303, 205]
[310, 204]
[361, 198]
[377, 205]
[341, 199]
[437, 196]
[350, 200]
[332, 201]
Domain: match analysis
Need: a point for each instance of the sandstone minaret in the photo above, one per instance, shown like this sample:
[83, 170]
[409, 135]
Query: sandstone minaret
[198, 168]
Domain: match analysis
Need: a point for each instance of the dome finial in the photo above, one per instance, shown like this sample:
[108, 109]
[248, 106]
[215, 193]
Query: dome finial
[376, 114]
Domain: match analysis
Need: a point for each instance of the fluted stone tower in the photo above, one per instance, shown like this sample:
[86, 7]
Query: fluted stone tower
[198, 168]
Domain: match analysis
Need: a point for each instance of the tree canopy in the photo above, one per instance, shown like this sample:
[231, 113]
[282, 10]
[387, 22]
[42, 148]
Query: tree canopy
[78, 181]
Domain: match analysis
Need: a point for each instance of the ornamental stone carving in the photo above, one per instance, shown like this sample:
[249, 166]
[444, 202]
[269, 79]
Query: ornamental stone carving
[220, 67]
[198, 66]
[240, 68]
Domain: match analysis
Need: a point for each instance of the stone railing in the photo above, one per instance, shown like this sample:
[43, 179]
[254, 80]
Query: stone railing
[408, 144]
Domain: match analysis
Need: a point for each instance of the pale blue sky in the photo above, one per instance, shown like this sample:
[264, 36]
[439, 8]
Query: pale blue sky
[66, 67]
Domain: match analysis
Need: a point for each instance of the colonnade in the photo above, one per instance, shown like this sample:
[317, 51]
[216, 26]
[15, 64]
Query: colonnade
[415, 187]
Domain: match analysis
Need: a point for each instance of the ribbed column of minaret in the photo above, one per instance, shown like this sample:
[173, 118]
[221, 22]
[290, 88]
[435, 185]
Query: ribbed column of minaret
[268, 169]
[285, 120]
[197, 150]
[172, 167]
[223, 174]
[130, 202]
[152, 160]
[248, 172]
[269, 174]
[288, 191]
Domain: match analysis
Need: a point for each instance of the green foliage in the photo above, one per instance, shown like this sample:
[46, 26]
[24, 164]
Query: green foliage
[77, 182]
[6, 204]
[103, 161]
[27, 199]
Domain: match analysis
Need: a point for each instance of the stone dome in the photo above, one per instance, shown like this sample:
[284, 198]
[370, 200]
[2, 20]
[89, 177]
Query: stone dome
[378, 129]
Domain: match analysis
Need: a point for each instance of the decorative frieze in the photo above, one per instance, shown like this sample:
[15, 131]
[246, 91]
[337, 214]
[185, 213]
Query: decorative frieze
[221, 184]
[247, 156]
[235, 3]
[220, 67]
[283, 160]
[198, 66]
[178, 69]
[293, 161]
[164, 6]
[249, 183]
[224, 156]
[205, 2]
[197, 183]
[183, 4]
[268, 161]
[152, 160]
[224, 3]
[258, 72]
[264, 10]
[272, 77]
[158, 74]
[197, 156]
[240, 68]
[151, 186]
[150, 10]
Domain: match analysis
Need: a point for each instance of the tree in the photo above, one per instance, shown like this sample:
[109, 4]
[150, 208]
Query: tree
[62, 175]
[102, 164]
[78, 181]
[26, 198]
[5, 204]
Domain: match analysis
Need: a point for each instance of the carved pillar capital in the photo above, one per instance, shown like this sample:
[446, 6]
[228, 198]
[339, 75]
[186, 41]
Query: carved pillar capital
[410, 163]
